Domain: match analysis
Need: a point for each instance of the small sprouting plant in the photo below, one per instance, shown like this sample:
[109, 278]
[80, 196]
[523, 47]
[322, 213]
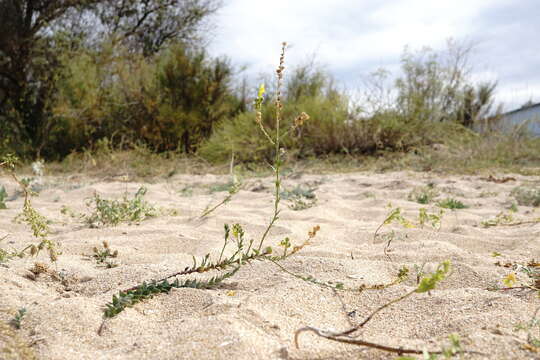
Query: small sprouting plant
[513, 207]
[500, 219]
[17, 319]
[112, 212]
[419, 270]
[300, 198]
[186, 191]
[104, 255]
[221, 187]
[5, 255]
[232, 188]
[424, 194]
[434, 219]
[37, 222]
[3, 197]
[526, 196]
[533, 332]
[66, 210]
[503, 219]
[448, 352]
[394, 215]
[368, 195]
[486, 194]
[451, 204]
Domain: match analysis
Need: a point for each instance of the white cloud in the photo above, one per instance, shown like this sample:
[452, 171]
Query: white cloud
[353, 37]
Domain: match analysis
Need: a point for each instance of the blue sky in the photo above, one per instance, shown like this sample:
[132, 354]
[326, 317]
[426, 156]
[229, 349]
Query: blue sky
[352, 38]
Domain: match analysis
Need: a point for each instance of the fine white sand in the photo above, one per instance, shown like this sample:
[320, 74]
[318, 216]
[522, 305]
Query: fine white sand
[255, 314]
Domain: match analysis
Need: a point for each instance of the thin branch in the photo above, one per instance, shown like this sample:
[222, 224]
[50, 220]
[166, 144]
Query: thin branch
[348, 340]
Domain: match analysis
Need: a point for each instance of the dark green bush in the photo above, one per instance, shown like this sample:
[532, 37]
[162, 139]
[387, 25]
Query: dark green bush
[168, 102]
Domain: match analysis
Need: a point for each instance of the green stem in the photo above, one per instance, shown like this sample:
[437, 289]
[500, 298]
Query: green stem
[277, 158]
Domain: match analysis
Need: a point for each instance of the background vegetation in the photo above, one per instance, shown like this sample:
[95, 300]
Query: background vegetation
[81, 76]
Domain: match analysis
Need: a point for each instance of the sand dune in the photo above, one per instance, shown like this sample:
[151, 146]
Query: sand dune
[255, 314]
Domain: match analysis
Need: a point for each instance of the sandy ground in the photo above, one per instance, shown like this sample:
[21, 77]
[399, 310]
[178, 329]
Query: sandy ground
[255, 314]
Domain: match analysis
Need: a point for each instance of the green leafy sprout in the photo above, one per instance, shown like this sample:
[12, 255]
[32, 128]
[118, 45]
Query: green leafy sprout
[300, 197]
[113, 212]
[105, 255]
[424, 194]
[29, 215]
[3, 197]
[451, 204]
[17, 319]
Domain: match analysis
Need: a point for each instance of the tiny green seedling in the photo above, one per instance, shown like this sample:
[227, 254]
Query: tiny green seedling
[300, 198]
[500, 219]
[17, 319]
[448, 352]
[419, 270]
[433, 219]
[5, 255]
[232, 188]
[532, 327]
[3, 197]
[186, 191]
[104, 255]
[424, 194]
[451, 204]
[486, 194]
[223, 187]
[394, 215]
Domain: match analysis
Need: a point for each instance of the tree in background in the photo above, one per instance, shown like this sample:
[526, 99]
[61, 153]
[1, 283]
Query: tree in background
[437, 86]
[146, 26]
[170, 101]
[33, 33]
[27, 63]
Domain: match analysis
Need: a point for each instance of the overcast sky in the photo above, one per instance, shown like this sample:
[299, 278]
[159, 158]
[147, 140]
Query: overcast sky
[352, 38]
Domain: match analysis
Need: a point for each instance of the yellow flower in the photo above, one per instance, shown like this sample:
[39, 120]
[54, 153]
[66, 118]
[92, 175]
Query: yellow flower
[261, 91]
[510, 280]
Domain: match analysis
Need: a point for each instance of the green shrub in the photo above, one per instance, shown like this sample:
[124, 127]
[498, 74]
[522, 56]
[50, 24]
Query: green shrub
[170, 101]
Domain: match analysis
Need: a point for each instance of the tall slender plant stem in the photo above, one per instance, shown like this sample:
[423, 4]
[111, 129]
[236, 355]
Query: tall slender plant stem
[277, 157]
